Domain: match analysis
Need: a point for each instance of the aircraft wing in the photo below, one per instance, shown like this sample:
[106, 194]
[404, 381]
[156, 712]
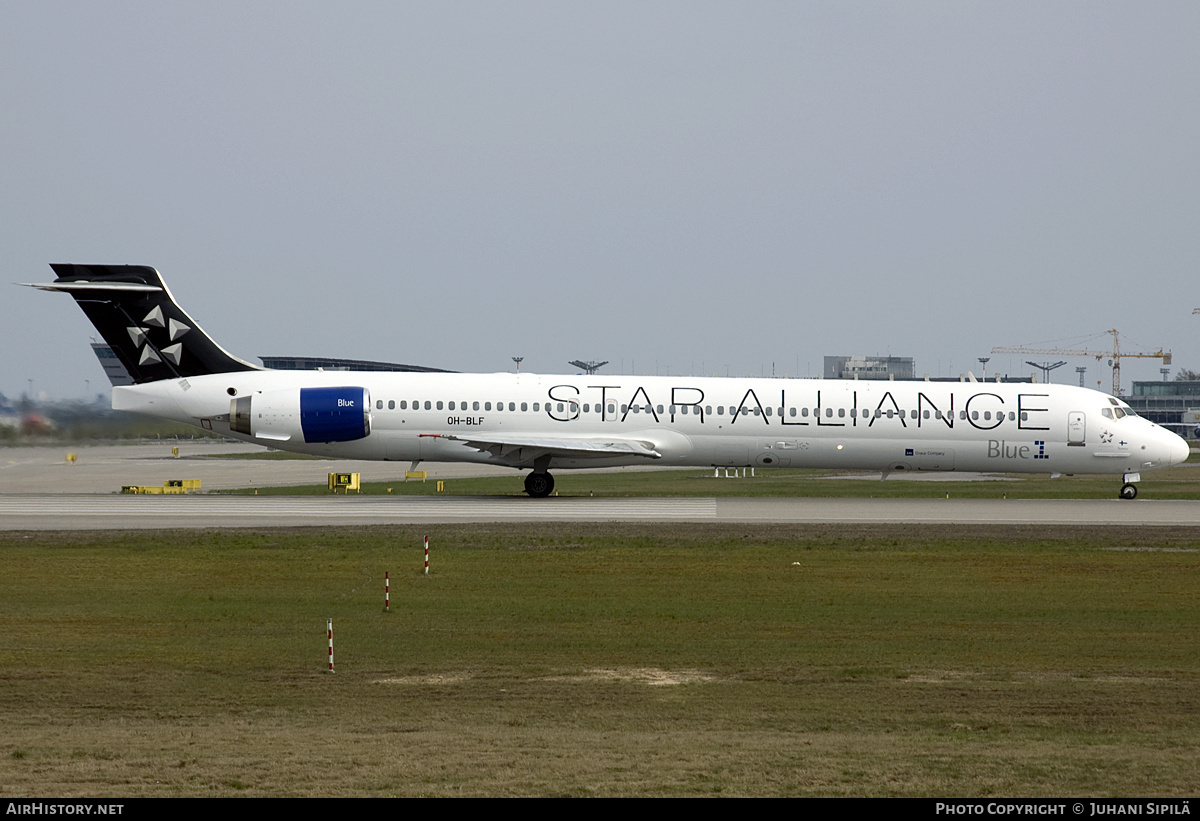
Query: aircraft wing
[506, 447]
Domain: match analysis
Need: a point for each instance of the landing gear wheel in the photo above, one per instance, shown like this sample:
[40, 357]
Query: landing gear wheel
[539, 485]
[1128, 492]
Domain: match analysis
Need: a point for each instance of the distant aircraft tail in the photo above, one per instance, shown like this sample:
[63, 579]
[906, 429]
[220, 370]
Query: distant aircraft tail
[139, 319]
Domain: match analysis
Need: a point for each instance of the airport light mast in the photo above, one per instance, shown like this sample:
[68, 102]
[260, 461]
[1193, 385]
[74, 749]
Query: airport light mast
[1046, 367]
[591, 366]
[983, 360]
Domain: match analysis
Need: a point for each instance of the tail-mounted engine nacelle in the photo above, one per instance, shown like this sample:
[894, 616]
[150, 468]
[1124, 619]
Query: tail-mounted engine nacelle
[307, 414]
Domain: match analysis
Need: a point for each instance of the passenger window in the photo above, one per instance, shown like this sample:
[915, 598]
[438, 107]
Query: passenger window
[391, 404]
[524, 406]
[378, 404]
[427, 404]
[474, 406]
[403, 404]
[451, 405]
[841, 413]
[439, 404]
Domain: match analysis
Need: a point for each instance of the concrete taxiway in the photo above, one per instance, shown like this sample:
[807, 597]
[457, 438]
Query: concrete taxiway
[41, 490]
[106, 468]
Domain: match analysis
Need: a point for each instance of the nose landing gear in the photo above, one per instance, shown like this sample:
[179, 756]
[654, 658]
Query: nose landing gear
[1129, 489]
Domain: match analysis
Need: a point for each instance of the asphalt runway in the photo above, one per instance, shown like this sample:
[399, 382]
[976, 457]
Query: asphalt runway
[40, 490]
[74, 512]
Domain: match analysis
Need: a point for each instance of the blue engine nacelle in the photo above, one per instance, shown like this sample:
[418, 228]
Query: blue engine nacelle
[334, 414]
[312, 415]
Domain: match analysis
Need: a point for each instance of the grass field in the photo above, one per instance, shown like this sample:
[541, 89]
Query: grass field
[603, 660]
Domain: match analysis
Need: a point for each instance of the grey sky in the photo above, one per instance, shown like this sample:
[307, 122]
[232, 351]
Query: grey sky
[682, 187]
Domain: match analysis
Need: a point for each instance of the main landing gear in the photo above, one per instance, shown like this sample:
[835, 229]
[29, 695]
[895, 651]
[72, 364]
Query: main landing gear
[539, 484]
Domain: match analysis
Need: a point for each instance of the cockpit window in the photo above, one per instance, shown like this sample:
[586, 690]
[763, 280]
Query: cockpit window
[1107, 412]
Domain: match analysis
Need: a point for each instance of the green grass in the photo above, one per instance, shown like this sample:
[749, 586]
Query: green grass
[603, 660]
[1176, 483]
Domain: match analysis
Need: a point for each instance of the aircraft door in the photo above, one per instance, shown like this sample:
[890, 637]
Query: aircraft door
[1076, 428]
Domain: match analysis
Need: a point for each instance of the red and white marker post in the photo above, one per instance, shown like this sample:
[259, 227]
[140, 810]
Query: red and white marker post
[426, 555]
[386, 591]
[330, 623]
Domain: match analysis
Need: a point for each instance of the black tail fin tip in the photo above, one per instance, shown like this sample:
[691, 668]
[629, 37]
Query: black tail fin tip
[136, 315]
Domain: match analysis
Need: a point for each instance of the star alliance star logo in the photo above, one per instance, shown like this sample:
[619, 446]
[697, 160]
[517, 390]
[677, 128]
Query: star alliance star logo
[141, 338]
[1105, 437]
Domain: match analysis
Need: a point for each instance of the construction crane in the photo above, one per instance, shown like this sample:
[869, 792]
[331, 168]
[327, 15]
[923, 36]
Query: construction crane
[1115, 356]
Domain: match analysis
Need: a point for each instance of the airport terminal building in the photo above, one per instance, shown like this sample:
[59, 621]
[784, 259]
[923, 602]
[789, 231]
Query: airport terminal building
[1174, 405]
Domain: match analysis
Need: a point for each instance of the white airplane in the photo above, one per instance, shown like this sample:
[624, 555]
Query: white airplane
[538, 422]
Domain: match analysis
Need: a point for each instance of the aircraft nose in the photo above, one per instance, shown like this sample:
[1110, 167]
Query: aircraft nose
[1179, 450]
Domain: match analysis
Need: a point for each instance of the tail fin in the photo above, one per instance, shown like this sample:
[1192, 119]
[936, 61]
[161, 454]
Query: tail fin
[137, 316]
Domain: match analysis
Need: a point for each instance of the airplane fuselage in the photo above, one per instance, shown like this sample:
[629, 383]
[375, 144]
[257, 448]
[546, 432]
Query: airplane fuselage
[530, 420]
[539, 421]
